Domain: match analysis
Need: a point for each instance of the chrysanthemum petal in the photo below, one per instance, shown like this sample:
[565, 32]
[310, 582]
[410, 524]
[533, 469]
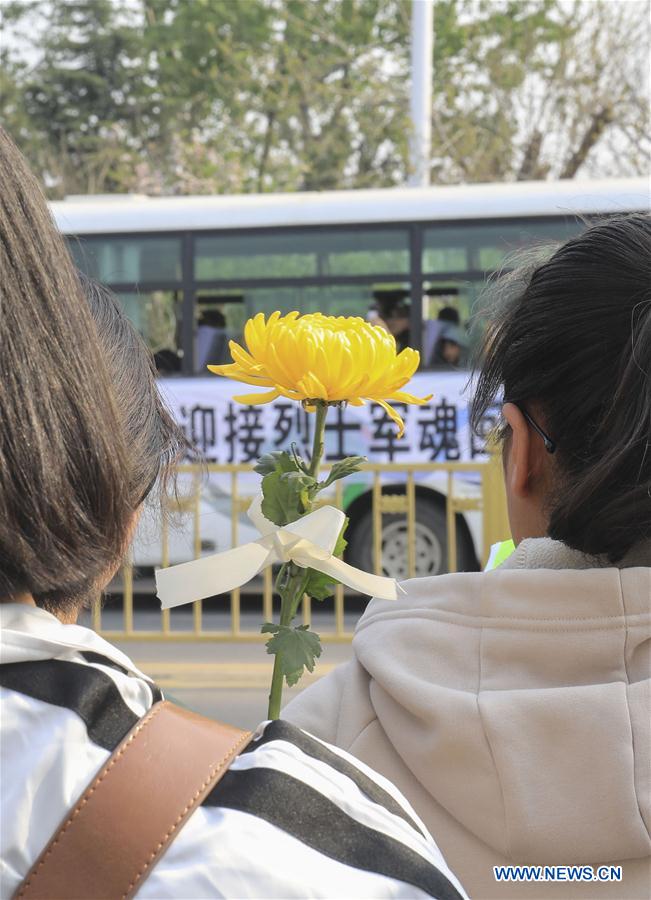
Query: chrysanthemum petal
[234, 372]
[404, 397]
[394, 416]
[256, 399]
[242, 358]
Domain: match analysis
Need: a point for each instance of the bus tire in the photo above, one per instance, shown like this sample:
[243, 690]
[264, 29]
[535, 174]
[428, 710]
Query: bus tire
[431, 543]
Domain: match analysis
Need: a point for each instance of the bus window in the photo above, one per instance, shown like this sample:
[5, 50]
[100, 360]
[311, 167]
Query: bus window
[304, 254]
[361, 252]
[447, 313]
[484, 248]
[156, 314]
[495, 246]
[128, 260]
[445, 251]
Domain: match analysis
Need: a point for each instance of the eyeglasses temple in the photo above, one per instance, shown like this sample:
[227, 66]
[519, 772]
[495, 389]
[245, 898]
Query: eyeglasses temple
[550, 445]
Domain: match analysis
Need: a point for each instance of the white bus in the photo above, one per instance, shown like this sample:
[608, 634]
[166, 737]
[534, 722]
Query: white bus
[191, 270]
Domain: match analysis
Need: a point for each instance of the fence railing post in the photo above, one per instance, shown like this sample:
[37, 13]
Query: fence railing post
[495, 513]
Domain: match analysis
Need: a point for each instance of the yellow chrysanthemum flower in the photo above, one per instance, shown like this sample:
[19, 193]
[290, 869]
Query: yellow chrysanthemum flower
[315, 357]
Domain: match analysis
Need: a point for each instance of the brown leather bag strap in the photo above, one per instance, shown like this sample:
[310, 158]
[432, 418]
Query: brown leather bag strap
[134, 808]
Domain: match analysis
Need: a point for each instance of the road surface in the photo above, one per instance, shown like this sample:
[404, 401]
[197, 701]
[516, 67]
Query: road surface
[224, 680]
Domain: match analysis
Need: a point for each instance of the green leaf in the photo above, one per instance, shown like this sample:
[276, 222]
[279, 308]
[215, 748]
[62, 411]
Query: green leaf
[276, 461]
[296, 648]
[281, 499]
[304, 485]
[299, 480]
[342, 469]
[320, 586]
[286, 495]
[342, 543]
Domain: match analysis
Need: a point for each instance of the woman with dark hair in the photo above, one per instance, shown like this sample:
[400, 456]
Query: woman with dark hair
[512, 707]
[84, 437]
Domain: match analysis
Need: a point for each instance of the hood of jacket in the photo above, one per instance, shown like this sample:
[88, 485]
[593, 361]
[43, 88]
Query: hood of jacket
[520, 699]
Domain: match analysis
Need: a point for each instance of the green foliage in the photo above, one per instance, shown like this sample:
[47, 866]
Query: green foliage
[283, 499]
[343, 469]
[275, 461]
[83, 100]
[319, 586]
[287, 489]
[296, 648]
[217, 96]
[342, 543]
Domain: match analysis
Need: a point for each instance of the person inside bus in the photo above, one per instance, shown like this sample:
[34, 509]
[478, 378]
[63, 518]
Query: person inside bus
[167, 361]
[512, 707]
[394, 315]
[399, 325]
[84, 439]
[212, 339]
[432, 329]
[449, 352]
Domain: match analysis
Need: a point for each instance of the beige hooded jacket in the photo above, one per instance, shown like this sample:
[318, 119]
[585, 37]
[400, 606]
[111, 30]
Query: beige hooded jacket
[513, 710]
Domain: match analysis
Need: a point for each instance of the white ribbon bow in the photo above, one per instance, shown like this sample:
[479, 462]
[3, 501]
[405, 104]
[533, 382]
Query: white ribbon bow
[309, 542]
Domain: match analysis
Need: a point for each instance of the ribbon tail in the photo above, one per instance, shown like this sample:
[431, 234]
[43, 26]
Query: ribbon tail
[216, 574]
[358, 580]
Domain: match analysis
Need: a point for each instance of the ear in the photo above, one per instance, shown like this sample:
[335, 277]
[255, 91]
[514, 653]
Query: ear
[518, 468]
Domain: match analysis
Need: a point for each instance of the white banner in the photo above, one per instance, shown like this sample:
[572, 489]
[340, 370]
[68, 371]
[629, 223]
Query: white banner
[227, 432]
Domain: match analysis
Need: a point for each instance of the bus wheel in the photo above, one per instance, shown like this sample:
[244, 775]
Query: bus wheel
[431, 543]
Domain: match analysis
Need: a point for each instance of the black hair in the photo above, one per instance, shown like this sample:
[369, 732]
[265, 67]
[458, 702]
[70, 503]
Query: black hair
[215, 318]
[572, 337]
[448, 314]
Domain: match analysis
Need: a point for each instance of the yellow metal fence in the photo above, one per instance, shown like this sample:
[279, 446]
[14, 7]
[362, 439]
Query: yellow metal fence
[488, 499]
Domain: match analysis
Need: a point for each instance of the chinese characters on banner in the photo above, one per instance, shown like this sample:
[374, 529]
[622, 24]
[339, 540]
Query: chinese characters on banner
[227, 432]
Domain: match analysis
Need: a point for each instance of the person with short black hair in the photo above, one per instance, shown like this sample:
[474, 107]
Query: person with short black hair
[447, 321]
[85, 438]
[513, 706]
[398, 323]
[211, 341]
[448, 314]
[449, 352]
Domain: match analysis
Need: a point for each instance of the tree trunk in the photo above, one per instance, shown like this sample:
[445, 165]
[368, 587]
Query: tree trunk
[266, 147]
[530, 168]
[600, 121]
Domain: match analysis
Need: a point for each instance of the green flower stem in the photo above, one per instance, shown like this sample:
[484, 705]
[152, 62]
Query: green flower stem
[291, 580]
[290, 596]
[276, 692]
[319, 437]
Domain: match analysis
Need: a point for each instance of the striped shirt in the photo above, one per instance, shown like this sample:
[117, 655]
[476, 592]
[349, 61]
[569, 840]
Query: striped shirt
[293, 816]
